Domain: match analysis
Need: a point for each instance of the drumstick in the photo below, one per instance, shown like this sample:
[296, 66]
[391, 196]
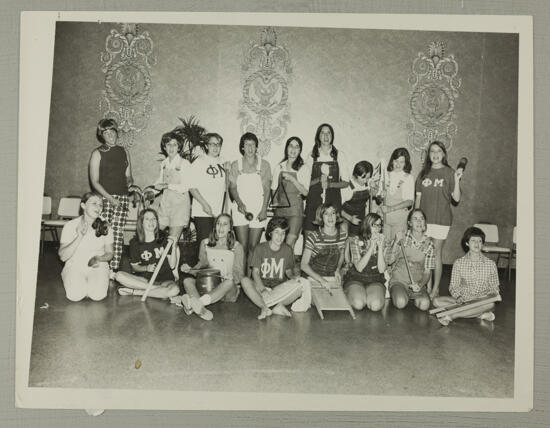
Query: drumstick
[406, 262]
[157, 270]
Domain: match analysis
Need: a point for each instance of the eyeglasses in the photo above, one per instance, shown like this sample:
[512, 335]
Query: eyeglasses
[379, 224]
[171, 144]
[363, 176]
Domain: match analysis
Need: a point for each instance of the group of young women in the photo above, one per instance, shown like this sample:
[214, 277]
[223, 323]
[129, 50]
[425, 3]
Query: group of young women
[345, 242]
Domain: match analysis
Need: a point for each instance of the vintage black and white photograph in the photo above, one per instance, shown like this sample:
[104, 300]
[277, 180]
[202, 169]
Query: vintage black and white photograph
[259, 207]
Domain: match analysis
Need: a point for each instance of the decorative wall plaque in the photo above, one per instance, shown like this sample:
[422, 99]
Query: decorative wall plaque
[264, 107]
[127, 60]
[434, 88]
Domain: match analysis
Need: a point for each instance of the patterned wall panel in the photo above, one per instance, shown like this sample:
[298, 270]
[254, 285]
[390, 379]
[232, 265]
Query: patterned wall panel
[264, 106]
[127, 60]
[433, 86]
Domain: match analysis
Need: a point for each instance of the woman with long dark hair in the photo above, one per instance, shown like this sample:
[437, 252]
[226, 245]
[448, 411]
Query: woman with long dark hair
[398, 193]
[146, 249]
[220, 251]
[437, 186]
[329, 174]
[356, 197]
[86, 247]
[364, 281]
[291, 178]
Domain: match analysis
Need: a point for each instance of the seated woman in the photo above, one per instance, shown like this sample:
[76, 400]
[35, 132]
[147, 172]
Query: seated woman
[356, 197]
[323, 255]
[419, 251]
[275, 281]
[86, 247]
[220, 251]
[146, 249]
[473, 276]
[364, 281]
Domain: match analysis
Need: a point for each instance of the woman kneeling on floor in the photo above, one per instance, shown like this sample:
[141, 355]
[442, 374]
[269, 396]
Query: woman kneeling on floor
[364, 281]
[146, 249]
[220, 251]
[86, 247]
[275, 281]
[419, 251]
[474, 276]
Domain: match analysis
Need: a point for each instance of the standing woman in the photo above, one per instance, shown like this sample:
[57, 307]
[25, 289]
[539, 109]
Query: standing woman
[323, 255]
[356, 197]
[209, 186]
[173, 181]
[86, 246]
[409, 276]
[292, 175]
[249, 184]
[398, 194]
[146, 249]
[437, 186]
[219, 251]
[329, 174]
[111, 176]
[364, 281]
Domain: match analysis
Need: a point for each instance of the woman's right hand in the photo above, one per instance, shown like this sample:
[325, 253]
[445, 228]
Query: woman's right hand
[242, 208]
[399, 237]
[114, 201]
[207, 209]
[185, 268]
[151, 267]
[355, 220]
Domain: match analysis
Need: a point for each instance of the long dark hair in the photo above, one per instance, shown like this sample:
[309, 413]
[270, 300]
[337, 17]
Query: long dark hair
[428, 162]
[366, 225]
[315, 151]
[213, 238]
[140, 233]
[297, 164]
[100, 226]
[397, 153]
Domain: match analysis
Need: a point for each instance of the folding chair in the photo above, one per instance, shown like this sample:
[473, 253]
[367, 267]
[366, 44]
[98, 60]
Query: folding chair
[69, 208]
[491, 241]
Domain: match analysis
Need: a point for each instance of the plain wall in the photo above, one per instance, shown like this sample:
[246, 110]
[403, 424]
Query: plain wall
[357, 80]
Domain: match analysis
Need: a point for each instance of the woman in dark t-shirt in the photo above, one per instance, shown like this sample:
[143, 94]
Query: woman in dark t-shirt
[436, 185]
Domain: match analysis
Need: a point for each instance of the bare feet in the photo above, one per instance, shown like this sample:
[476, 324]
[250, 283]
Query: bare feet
[265, 312]
[186, 301]
[281, 310]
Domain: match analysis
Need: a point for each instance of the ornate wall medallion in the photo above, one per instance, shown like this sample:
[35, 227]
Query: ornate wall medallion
[434, 88]
[264, 107]
[127, 60]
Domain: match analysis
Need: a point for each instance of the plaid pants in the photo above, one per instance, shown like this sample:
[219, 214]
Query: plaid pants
[116, 217]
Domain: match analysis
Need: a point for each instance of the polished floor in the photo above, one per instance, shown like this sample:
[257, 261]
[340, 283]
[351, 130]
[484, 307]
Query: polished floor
[395, 352]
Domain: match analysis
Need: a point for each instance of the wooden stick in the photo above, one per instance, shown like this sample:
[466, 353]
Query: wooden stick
[406, 262]
[157, 270]
[472, 305]
[456, 305]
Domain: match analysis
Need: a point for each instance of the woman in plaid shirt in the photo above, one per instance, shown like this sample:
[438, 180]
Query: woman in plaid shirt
[474, 276]
[421, 260]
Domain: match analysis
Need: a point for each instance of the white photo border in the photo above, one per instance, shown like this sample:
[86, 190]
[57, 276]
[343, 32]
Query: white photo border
[36, 66]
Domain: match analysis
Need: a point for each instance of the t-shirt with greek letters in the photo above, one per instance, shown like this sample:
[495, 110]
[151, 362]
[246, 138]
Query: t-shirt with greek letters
[272, 264]
[436, 188]
[146, 253]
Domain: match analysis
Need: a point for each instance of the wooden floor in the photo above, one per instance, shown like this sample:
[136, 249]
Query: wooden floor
[393, 352]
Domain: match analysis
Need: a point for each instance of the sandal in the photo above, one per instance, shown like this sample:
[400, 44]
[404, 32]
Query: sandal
[123, 291]
[200, 310]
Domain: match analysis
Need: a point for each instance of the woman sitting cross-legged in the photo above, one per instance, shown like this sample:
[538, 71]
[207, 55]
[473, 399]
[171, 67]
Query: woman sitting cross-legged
[323, 255]
[364, 281]
[411, 283]
[146, 249]
[86, 247]
[275, 281]
[220, 251]
[473, 276]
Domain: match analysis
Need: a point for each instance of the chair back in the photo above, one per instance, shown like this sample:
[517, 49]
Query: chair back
[69, 207]
[46, 205]
[490, 230]
[133, 212]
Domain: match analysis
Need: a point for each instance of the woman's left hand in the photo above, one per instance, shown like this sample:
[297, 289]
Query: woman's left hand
[93, 262]
[338, 277]
[262, 215]
[458, 174]
[287, 176]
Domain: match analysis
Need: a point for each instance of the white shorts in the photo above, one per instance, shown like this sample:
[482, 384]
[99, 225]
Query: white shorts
[437, 231]
[240, 220]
